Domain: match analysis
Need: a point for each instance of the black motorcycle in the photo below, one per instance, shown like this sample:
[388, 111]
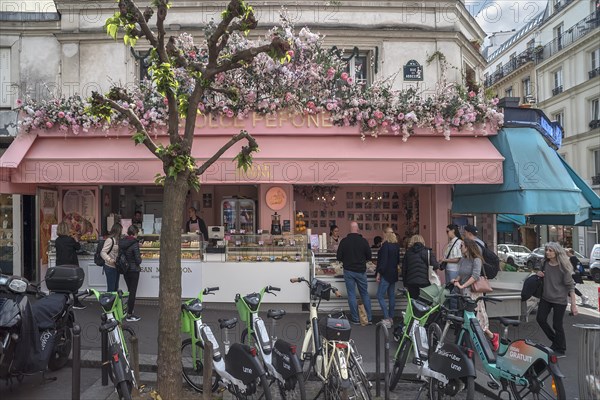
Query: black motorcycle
[37, 335]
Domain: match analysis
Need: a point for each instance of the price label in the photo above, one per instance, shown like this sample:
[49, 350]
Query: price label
[261, 242]
[238, 242]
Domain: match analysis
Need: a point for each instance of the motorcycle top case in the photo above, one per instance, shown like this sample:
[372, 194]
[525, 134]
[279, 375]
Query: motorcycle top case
[335, 329]
[64, 278]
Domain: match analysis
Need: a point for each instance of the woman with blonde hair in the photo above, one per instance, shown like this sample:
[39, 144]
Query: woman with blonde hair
[415, 266]
[558, 286]
[469, 271]
[388, 258]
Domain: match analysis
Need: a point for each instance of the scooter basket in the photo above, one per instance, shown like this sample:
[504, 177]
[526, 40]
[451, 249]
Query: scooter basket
[64, 278]
[335, 329]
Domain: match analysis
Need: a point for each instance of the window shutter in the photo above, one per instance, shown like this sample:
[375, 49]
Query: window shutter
[5, 98]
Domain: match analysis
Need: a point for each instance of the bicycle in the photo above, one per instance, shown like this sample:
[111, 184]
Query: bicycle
[527, 368]
[413, 334]
[238, 370]
[279, 357]
[329, 351]
[113, 314]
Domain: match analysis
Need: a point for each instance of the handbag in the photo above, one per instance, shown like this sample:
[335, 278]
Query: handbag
[482, 285]
[434, 279]
[443, 264]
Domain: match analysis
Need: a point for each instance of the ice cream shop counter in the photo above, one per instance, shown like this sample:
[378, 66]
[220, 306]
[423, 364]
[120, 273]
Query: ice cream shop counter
[241, 264]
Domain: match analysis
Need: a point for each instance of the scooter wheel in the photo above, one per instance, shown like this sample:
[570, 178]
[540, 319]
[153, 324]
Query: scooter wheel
[61, 351]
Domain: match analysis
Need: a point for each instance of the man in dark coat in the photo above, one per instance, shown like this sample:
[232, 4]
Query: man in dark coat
[354, 252]
[130, 246]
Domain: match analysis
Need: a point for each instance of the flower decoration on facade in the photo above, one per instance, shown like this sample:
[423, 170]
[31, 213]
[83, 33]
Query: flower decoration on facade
[312, 80]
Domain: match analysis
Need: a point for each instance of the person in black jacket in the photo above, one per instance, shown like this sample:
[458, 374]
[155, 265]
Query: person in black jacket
[415, 266]
[388, 259]
[130, 246]
[196, 224]
[354, 252]
[66, 252]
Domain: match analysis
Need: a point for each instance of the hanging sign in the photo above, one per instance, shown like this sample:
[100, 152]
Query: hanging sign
[413, 71]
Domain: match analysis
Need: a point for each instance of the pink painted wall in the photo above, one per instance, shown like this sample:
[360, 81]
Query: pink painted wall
[265, 212]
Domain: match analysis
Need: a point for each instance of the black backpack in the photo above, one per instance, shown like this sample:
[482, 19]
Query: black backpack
[98, 260]
[121, 263]
[532, 286]
[491, 262]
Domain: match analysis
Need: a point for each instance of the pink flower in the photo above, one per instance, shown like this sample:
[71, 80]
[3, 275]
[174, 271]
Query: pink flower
[165, 101]
[289, 97]
[456, 121]
[472, 94]
[372, 123]
[378, 114]
[330, 72]
[229, 113]
[400, 116]
[330, 106]
[310, 104]
[495, 101]
[201, 107]
[438, 120]
[290, 53]
[126, 106]
[19, 102]
[384, 124]
[61, 114]
[349, 81]
[49, 125]
[344, 76]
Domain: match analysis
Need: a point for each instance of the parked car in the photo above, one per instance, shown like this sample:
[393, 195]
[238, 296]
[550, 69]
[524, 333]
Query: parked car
[534, 260]
[513, 254]
[595, 263]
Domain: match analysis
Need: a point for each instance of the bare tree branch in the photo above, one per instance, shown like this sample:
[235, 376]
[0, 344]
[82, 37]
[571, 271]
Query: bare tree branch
[233, 9]
[132, 118]
[190, 121]
[252, 146]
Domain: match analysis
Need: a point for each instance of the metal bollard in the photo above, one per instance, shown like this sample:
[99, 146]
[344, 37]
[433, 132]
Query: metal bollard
[207, 371]
[76, 371]
[104, 356]
[135, 358]
[386, 357]
[588, 366]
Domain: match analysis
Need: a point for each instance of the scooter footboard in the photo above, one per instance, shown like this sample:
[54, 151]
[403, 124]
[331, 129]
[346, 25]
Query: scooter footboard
[452, 361]
[242, 364]
[285, 361]
[523, 354]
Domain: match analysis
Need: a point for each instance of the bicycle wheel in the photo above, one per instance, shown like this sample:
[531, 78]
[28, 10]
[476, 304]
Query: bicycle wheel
[124, 390]
[193, 373]
[440, 391]
[61, 351]
[543, 384]
[293, 388]
[359, 380]
[399, 362]
[259, 389]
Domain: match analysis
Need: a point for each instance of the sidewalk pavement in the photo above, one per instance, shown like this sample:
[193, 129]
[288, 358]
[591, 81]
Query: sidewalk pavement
[291, 329]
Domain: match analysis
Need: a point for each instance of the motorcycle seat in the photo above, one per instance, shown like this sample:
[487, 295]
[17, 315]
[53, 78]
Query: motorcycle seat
[227, 323]
[275, 314]
[508, 322]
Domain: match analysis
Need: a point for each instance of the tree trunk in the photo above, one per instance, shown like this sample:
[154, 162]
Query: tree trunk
[169, 339]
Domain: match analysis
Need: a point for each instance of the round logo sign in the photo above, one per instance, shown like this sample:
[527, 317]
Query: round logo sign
[276, 198]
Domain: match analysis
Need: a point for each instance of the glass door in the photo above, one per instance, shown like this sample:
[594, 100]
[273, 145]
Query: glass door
[229, 214]
[247, 216]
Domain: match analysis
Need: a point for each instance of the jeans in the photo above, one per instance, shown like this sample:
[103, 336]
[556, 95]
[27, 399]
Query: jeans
[390, 289]
[112, 278]
[131, 279]
[557, 333]
[352, 280]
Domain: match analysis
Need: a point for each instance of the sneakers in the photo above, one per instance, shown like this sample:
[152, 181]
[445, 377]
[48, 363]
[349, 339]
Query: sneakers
[495, 342]
[78, 305]
[132, 318]
[585, 300]
[388, 323]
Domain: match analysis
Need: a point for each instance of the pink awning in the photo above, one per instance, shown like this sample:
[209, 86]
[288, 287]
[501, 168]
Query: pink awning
[282, 159]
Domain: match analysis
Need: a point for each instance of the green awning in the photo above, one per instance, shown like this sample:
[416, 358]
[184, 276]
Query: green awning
[509, 222]
[536, 182]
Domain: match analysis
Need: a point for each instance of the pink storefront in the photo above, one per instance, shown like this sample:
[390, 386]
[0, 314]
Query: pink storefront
[377, 182]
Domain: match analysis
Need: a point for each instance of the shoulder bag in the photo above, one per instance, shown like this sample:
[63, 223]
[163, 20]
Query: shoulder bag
[444, 263]
[482, 285]
[434, 279]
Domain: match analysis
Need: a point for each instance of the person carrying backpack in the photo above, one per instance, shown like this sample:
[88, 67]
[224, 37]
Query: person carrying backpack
[130, 247]
[491, 262]
[109, 253]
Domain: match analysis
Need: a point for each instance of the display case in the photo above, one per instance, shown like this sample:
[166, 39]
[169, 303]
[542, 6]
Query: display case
[238, 215]
[266, 248]
[6, 234]
[326, 264]
[191, 246]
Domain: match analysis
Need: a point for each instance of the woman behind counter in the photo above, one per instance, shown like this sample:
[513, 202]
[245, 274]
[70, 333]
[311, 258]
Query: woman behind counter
[334, 238]
[66, 252]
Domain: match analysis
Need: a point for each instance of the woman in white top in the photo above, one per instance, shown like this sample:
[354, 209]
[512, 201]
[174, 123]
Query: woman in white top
[109, 253]
[452, 252]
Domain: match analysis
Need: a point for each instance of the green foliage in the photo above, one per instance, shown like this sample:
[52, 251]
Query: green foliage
[163, 76]
[117, 21]
[139, 137]
[99, 109]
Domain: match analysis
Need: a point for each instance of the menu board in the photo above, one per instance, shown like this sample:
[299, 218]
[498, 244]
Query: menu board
[79, 210]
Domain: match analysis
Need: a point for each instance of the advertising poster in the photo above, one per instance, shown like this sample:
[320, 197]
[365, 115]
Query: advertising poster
[79, 210]
[48, 216]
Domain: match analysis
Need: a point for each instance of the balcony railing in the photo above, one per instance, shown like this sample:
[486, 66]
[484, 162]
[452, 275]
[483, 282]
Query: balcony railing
[559, 5]
[596, 180]
[594, 73]
[557, 90]
[540, 53]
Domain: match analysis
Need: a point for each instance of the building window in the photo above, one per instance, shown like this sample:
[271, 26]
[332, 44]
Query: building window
[142, 60]
[508, 92]
[5, 97]
[596, 167]
[558, 36]
[558, 82]
[531, 45]
[559, 117]
[595, 113]
[357, 65]
[595, 63]
[513, 60]
[527, 87]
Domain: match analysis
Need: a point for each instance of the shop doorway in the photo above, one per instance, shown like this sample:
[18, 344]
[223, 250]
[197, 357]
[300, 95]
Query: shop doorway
[29, 239]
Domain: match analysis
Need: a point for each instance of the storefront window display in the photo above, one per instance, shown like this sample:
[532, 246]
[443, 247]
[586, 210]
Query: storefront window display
[6, 234]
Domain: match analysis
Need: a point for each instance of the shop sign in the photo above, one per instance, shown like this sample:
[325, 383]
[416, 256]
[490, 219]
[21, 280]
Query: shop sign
[413, 71]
